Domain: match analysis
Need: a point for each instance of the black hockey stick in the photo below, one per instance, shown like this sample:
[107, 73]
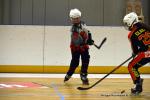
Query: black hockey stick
[86, 88]
[103, 41]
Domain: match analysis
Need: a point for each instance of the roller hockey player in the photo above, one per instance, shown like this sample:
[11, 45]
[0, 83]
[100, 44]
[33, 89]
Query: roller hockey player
[139, 37]
[80, 40]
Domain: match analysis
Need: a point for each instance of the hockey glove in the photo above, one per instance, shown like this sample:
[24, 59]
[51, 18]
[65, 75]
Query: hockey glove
[90, 41]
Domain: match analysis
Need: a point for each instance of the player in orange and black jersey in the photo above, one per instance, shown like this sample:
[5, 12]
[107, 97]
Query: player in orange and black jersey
[139, 37]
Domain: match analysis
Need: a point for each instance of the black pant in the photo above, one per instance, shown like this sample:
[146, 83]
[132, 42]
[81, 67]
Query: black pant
[75, 61]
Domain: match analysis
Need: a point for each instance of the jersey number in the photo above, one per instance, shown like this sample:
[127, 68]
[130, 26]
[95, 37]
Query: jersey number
[145, 38]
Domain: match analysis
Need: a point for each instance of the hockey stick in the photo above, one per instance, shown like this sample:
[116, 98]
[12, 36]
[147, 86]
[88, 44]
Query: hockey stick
[86, 88]
[103, 41]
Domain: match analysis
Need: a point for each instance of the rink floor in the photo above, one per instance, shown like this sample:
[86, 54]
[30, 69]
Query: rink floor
[51, 87]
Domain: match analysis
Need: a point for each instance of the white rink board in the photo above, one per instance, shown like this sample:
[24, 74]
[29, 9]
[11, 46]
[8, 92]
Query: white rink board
[49, 45]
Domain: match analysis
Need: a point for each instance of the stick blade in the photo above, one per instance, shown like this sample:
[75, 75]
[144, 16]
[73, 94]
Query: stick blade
[103, 41]
[82, 88]
[105, 38]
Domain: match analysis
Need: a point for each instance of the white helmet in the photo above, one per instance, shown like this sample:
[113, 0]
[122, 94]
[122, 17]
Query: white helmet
[75, 13]
[130, 19]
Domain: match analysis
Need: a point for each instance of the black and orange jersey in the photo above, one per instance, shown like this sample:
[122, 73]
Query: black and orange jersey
[140, 37]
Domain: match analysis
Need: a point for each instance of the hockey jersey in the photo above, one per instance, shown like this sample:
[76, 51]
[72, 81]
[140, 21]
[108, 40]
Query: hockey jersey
[79, 36]
[140, 38]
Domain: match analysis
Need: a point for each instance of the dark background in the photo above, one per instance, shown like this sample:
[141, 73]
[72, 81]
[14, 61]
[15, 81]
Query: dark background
[55, 12]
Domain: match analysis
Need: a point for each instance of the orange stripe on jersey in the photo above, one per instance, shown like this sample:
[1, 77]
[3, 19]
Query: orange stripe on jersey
[133, 62]
[131, 33]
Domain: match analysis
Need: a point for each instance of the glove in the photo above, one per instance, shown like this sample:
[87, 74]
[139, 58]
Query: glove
[90, 41]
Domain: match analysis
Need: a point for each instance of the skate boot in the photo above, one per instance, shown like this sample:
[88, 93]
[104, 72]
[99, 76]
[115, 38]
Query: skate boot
[84, 79]
[67, 77]
[138, 88]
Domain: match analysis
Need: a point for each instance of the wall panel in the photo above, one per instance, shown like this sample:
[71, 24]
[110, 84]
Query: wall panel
[26, 12]
[114, 11]
[146, 12]
[15, 12]
[21, 45]
[1, 12]
[38, 12]
[6, 12]
[23, 48]
[57, 12]
[92, 11]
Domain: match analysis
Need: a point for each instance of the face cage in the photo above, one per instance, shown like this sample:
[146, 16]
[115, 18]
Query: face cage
[75, 20]
[126, 26]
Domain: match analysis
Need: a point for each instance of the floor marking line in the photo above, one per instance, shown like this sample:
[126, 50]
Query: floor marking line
[57, 91]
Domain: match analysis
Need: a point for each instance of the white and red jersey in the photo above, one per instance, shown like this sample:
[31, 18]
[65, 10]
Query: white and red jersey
[79, 36]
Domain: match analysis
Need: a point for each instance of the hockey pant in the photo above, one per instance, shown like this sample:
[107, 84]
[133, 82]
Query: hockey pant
[75, 61]
[140, 60]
